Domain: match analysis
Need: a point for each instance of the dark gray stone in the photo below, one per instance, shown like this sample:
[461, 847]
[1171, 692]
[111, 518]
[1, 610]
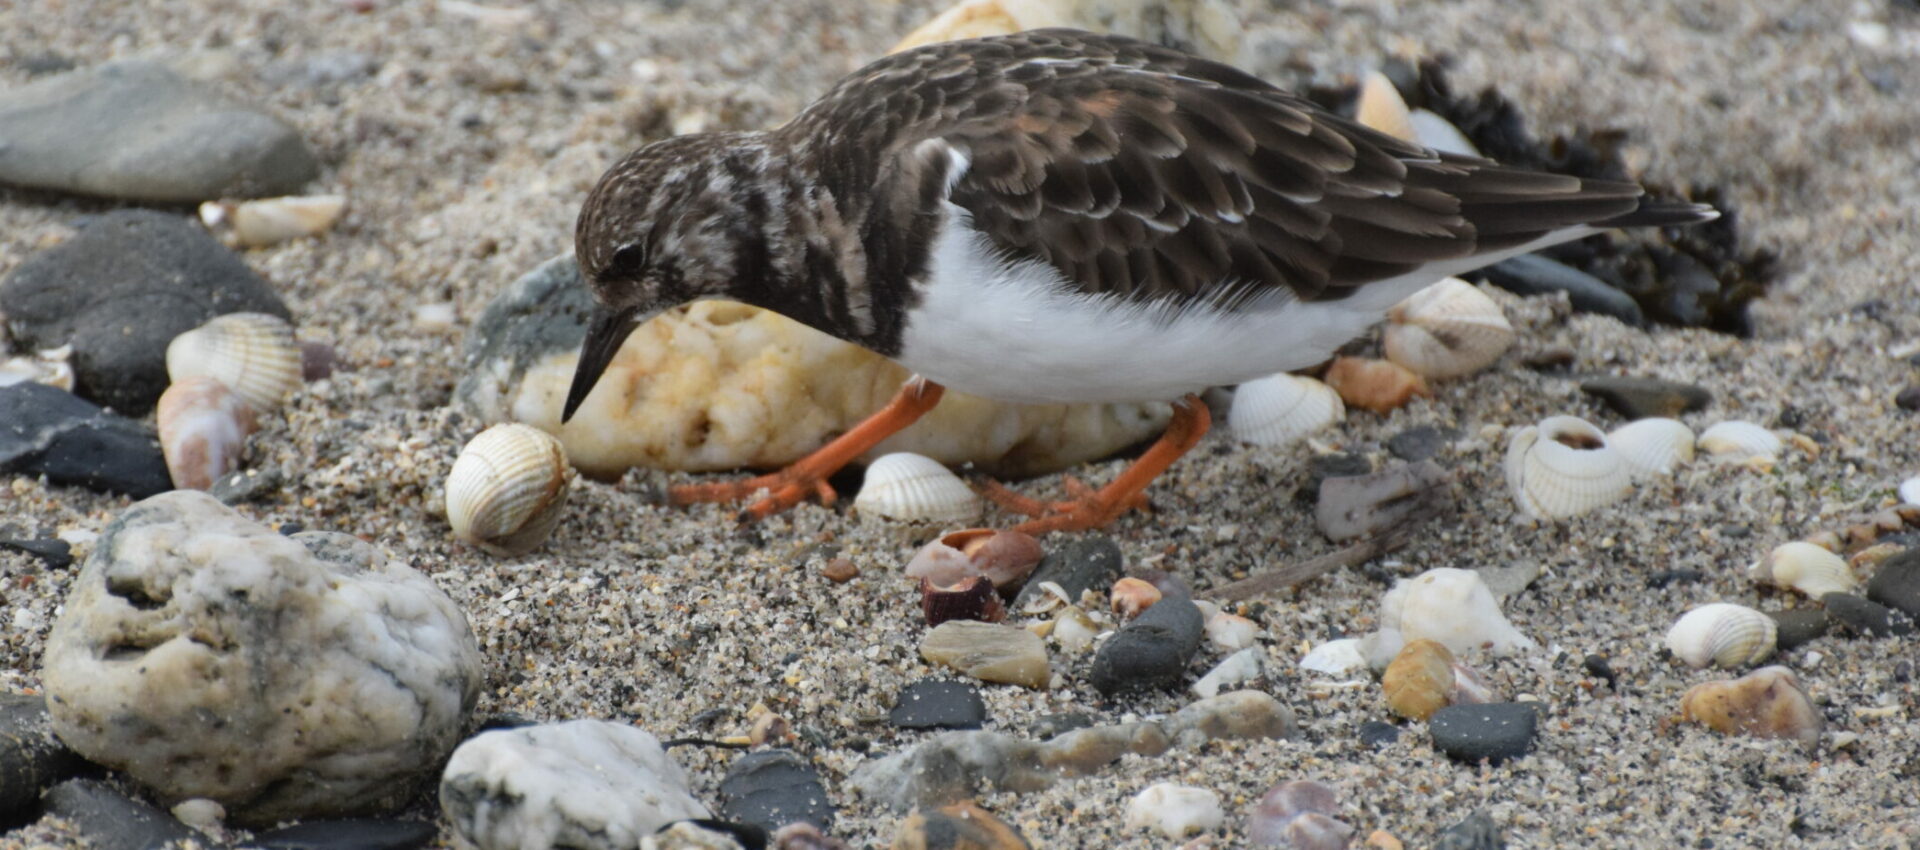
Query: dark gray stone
[1049, 725]
[1646, 398]
[49, 431]
[1420, 442]
[1152, 651]
[543, 312]
[1599, 667]
[1476, 832]
[347, 834]
[246, 485]
[773, 788]
[1909, 398]
[119, 291]
[938, 704]
[1494, 731]
[31, 758]
[139, 132]
[1378, 733]
[1863, 617]
[114, 821]
[1798, 626]
[1090, 563]
[1897, 583]
[56, 554]
[1532, 274]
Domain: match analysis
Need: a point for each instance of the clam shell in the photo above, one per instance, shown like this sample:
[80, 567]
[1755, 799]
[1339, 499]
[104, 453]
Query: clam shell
[1381, 107]
[1722, 634]
[507, 489]
[1279, 409]
[1653, 447]
[271, 220]
[1740, 442]
[1805, 567]
[1447, 330]
[915, 488]
[1563, 467]
[203, 431]
[254, 353]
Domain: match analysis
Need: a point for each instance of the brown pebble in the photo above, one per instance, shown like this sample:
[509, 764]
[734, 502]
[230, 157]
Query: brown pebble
[961, 826]
[1767, 703]
[1419, 682]
[1130, 596]
[840, 570]
[1378, 385]
[1384, 840]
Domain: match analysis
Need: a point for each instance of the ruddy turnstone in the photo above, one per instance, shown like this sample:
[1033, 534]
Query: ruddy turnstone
[1058, 216]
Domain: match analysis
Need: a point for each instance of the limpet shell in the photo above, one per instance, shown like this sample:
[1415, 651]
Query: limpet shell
[1279, 409]
[203, 431]
[914, 488]
[507, 489]
[1805, 567]
[1767, 703]
[1446, 330]
[253, 353]
[1735, 441]
[1563, 467]
[1653, 447]
[1722, 634]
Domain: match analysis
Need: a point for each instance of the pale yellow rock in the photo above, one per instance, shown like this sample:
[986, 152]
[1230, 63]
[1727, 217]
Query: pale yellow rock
[1208, 27]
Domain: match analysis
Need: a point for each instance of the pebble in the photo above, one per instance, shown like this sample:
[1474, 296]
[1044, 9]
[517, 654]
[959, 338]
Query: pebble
[703, 834]
[1251, 715]
[1797, 626]
[1152, 651]
[1476, 832]
[137, 131]
[1509, 579]
[950, 767]
[1175, 811]
[1090, 563]
[1243, 666]
[246, 485]
[347, 834]
[1379, 733]
[110, 820]
[1532, 274]
[1767, 703]
[1599, 667]
[1335, 657]
[1331, 465]
[201, 814]
[1647, 398]
[840, 570]
[1299, 815]
[31, 758]
[119, 291]
[1231, 632]
[1361, 505]
[773, 788]
[1420, 442]
[1492, 731]
[582, 784]
[57, 434]
[938, 704]
[56, 554]
[1897, 583]
[1049, 725]
[1908, 398]
[989, 652]
[961, 826]
[331, 629]
[1864, 617]
[1084, 752]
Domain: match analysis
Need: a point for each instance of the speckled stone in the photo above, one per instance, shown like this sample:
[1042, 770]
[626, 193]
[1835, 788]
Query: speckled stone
[1494, 731]
[773, 788]
[938, 704]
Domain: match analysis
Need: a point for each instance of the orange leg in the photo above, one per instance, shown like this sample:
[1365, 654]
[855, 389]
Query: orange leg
[808, 475]
[1095, 508]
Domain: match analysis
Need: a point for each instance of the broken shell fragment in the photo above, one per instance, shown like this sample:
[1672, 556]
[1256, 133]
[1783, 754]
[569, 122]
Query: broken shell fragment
[48, 367]
[1279, 409]
[1722, 634]
[1653, 447]
[908, 487]
[1381, 386]
[1446, 330]
[1130, 596]
[1563, 467]
[1004, 557]
[254, 354]
[1419, 682]
[507, 489]
[971, 599]
[1074, 629]
[272, 220]
[1807, 568]
[203, 431]
[1740, 442]
[1767, 703]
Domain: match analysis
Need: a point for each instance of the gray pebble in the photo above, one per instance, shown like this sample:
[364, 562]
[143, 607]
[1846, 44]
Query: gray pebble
[31, 758]
[1897, 583]
[1798, 626]
[1532, 274]
[938, 704]
[113, 821]
[55, 553]
[347, 834]
[51, 432]
[1863, 617]
[1152, 651]
[1476, 832]
[1492, 732]
[246, 485]
[773, 788]
[1646, 398]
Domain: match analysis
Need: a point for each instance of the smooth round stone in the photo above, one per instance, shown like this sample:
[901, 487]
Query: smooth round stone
[1378, 733]
[1494, 731]
[55, 433]
[938, 704]
[1476, 832]
[113, 821]
[1798, 626]
[1908, 398]
[1897, 583]
[1419, 443]
[773, 788]
[1646, 398]
[1865, 617]
[347, 834]
[55, 554]
[1151, 652]
[1090, 563]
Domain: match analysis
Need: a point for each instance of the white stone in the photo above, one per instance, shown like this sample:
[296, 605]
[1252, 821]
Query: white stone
[1231, 632]
[1176, 811]
[1239, 667]
[1335, 657]
[580, 784]
[1910, 491]
[284, 677]
[1452, 606]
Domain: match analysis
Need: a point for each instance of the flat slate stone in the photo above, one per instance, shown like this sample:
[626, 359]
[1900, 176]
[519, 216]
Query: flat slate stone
[773, 788]
[114, 821]
[48, 431]
[57, 554]
[1494, 731]
[1532, 274]
[137, 131]
[938, 704]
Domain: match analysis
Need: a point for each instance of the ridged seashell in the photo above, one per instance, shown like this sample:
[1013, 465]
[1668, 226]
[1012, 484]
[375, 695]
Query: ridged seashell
[1767, 703]
[1298, 815]
[1447, 330]
[1563, 467]
[203, 431]
[1722, 634]
[1653, 447]
[1381, 107]
[1381, 386]
[1419, 682]
[1446, 604]
[1740, 442]
[972, 598]
[914, 488]
[272, 220]
[48, 367]
[1807, 568]
[1279, 409]
[1130, 596]
[507, 489]
[254, 353]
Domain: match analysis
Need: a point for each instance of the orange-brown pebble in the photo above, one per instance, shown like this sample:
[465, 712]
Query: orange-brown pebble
[1767, 703]
[1130, 596]
[961, 826]
[840, 570]
[1419, 682]
[1377, 385]
[1384, 840]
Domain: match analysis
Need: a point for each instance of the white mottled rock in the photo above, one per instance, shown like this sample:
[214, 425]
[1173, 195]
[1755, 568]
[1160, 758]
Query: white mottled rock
[579, 784]
[1176, 811]
[283, 677]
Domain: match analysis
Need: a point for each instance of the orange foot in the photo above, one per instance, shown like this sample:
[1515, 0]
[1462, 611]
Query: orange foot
[1089, 508]
[808, 475]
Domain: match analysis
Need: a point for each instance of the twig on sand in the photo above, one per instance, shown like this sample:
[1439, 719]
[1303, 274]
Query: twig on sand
[1412, 511]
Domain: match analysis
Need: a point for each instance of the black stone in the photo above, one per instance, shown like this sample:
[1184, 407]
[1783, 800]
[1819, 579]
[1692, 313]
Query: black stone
[1663, 578]
[31, 758]
[114, 821]
[1909, 398]
[56, 553]
[1645, 398]
[938, 704]
[1532, 274]
[1599, 667]
[1085, 564]
[1494, 731]
[1419, 442]
[1798, 626]
[1379, 733]
[1863, 617]
[122, 289]
[1897, 583]
[502, 721]
[49, 431]
[1476, 832]
[347, 834]
[749, 836]
[1152, 651]
[1049, 725]
[773, 788]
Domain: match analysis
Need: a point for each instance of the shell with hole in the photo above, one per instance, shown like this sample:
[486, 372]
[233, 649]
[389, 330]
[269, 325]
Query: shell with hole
[1735, 441]
[1564, 467]
[1279, 409]
[203, 431]
[915, 488]
[254, 354]
[508, 489]
[1722, 634]
[1653, 447]
[1807, 568]
[1446, 330]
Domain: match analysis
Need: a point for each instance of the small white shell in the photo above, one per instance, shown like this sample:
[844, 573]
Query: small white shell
[1653, 447]
[1910, 491]
[1279, 409]
[1722, 634]
[270, 220]
[1563, 467]
[253, 353]
[914, 488]
[48, 367]
[1805, 567]
[203, 431]
[507, 488]
[1446, 330]
[1740, 442]
[1381, 107]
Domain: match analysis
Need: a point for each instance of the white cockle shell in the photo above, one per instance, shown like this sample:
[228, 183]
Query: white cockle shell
[1805, 567]
[1722, 634]
[1279, 409]
[1563, 467]
[507, 489]
[1446, 330]
[915, 488]
[1740, 442]
[1653, 447]
[254, 354]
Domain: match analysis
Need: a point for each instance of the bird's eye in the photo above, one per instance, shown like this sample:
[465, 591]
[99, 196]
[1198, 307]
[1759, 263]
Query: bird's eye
[628, 262]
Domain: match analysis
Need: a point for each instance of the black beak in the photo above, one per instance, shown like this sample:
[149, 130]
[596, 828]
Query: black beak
[605, 332]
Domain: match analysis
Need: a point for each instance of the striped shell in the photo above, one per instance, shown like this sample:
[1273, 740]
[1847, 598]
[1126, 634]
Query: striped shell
[1722, 634]
[1563, 467]
[1279, 409]
[1653, 447]
[914, 488]
[253, 353]
[1446, 330]
[1740, 442]
[1807, 568]
[203, 431]
[507, 489]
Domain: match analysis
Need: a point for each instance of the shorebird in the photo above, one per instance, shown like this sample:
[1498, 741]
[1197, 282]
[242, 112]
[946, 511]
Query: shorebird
[1059, 216]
